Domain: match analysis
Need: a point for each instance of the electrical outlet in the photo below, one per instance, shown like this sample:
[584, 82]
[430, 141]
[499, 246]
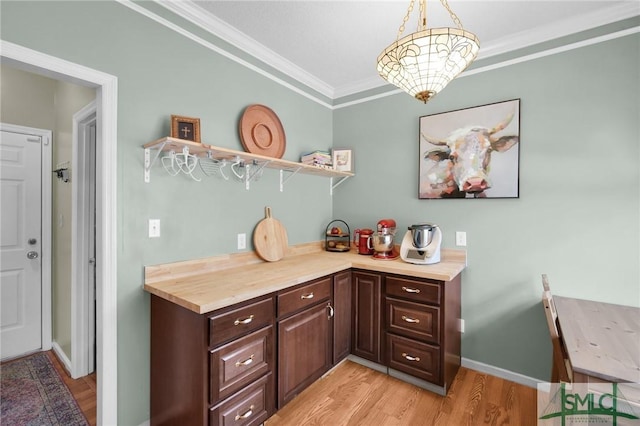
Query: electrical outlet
[242, 241]
[461, 238]
[154, 228]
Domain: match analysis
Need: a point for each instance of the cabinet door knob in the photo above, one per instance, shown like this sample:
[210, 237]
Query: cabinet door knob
[411, 320]
[245, 362]
[245, 415]
[307, 296]
[410, 358]
[411, 290]
[247, 320]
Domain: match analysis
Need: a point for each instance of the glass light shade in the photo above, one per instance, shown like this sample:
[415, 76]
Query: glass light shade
[424, 62]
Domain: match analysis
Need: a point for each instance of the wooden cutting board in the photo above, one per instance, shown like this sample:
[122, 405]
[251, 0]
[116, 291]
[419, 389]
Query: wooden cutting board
[270, 238]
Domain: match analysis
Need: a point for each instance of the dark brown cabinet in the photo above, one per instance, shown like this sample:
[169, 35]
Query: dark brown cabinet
[342, 316]
[304, 338]
[214, 368]
[304, 344]
[233, 366]
[422, 336]
[366, 315]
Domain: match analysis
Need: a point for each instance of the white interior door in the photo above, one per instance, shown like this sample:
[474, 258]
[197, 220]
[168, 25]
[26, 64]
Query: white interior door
[20, 244]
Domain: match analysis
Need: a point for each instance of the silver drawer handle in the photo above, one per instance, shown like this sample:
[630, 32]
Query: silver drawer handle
[245, 415]
[245, 362]
[307, 296]
[410, 358]
[411, 290]
[411, 320]
[247, 320]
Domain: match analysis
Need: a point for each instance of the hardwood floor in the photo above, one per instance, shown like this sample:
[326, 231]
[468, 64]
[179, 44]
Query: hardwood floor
[355, 395]
[82, 389]
[358, 396]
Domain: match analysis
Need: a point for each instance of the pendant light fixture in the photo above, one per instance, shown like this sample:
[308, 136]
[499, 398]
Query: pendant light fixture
[424, 62]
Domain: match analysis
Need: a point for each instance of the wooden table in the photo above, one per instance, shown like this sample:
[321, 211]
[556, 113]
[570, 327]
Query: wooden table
[602, 340]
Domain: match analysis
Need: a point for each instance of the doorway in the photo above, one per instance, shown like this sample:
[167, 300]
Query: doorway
[83, 243]
[106, 208]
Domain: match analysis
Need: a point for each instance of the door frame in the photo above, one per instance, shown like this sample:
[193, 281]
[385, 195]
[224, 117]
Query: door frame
[82, 312]
[46, 217]
[106, 208]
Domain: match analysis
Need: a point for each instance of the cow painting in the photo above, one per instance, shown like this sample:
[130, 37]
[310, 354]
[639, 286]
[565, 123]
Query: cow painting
[456, 158]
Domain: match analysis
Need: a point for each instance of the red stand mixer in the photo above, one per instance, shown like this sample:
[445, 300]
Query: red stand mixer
[383, 245]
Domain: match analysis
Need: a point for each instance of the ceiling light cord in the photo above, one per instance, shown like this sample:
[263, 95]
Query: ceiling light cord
[423, 16]
[454, 17]
[406, 19]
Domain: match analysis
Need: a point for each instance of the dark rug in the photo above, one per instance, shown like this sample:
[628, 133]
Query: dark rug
[33, 393]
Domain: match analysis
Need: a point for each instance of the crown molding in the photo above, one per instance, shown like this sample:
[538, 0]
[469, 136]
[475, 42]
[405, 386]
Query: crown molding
[249, 46]
[557, 30]
[240, 40]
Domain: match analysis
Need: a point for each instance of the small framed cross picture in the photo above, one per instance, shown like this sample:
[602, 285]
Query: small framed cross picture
[186, 128]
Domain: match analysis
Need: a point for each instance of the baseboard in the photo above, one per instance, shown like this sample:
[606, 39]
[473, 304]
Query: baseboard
[66, 363]
[501, 373]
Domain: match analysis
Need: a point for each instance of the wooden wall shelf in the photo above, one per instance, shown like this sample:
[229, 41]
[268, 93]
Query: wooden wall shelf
[154, 149]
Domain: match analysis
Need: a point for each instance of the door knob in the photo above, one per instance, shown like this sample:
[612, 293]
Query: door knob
[32, 255]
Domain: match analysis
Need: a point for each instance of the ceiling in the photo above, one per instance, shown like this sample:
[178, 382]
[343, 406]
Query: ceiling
[332, 46]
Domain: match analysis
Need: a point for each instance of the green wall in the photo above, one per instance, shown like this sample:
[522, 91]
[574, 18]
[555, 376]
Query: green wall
[162, 73]
[579, 174]
[577, 218]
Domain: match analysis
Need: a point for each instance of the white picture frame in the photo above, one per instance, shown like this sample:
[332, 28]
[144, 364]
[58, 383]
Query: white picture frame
[342, 160]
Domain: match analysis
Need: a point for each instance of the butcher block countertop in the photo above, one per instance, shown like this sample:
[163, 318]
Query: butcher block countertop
[205, 285]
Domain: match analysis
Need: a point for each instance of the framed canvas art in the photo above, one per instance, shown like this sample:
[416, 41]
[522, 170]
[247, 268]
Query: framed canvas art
[470, 153]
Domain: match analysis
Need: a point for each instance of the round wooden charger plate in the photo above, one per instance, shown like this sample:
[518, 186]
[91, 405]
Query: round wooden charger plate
[261, 132]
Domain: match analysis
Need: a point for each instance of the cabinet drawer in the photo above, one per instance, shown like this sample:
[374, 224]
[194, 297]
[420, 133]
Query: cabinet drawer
[307, 295]
[413, 320]
[229, 325]
[240, 362]
[252, 406]
[418, 359]
[417, 291]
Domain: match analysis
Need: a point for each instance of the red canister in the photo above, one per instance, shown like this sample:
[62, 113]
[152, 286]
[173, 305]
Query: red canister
[362, 238]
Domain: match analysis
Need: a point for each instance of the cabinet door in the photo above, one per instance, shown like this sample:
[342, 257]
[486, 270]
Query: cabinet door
[342, 316]
[366, 315]
[304, 350]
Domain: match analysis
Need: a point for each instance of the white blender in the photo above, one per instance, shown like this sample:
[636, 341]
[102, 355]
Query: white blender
[421, 244]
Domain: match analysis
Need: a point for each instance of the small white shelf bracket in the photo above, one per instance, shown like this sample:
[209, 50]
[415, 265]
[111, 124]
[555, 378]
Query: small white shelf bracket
[336, 185]
[148, 162]
[284, 180]
[256, 174]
